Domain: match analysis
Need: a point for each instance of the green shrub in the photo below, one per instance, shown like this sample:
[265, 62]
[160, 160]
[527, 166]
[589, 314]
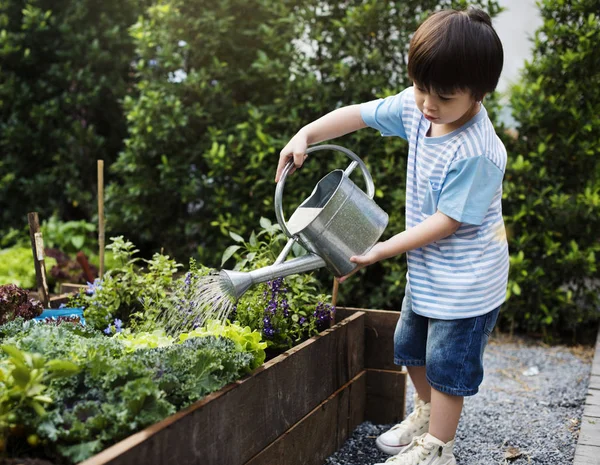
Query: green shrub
[17, 267]
[65, 69]
[552, 185]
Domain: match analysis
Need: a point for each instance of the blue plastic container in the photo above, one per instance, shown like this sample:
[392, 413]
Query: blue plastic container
[55, 313]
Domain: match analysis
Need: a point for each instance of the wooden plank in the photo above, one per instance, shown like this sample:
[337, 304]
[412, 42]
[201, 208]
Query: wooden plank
[589, 434]
[386, 396]
[592, 411]
[587, 451]
[37, 247]
[595, 370]
[100, 166]
[594, 382]
[379, 336]
[57, 300]
[66, 288]
[593, 397]
[235, 423]
[320, 433]
[587, 455]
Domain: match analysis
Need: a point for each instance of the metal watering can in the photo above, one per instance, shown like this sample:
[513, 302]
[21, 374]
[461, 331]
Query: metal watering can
[344, 221]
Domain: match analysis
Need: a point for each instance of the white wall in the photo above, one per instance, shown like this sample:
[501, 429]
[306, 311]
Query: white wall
[515, 27]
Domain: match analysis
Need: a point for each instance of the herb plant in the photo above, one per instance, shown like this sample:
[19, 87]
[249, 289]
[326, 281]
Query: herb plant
[286, 311]
[125, 288]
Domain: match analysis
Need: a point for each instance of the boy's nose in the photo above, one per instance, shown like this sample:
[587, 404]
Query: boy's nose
[429, 105]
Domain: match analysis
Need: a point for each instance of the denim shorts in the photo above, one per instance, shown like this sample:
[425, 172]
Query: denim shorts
[451, 350]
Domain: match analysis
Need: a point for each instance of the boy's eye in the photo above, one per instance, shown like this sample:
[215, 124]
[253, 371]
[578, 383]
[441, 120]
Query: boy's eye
[444, 98]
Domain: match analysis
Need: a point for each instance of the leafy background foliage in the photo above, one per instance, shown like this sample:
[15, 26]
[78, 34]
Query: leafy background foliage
[189, 103]
[552, 187]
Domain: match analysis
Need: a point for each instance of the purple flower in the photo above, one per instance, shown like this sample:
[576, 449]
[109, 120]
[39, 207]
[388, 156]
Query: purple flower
[118, 325]
[62, 306]
[93, 287]
[107, 330]
[302, 320]
[286, 307]
[268, 330]
[323, 313]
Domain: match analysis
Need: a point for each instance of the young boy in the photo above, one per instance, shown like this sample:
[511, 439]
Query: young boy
[454, 239]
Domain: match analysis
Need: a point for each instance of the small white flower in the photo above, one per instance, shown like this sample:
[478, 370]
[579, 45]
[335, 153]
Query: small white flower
[182, 43]
[178, 76]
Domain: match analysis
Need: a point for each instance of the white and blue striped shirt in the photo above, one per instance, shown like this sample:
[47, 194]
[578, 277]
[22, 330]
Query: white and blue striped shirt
[459, 174]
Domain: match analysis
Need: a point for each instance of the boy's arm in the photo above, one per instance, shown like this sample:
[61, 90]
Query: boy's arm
[434, 228]
[335, 124]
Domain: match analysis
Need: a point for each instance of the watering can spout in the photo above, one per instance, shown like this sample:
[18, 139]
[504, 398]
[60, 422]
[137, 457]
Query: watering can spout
[236, 283]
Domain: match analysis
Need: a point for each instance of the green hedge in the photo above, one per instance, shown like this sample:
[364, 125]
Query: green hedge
[552, 186]
[64, 67]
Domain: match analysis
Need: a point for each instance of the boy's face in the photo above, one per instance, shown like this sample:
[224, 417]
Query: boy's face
[450, 110]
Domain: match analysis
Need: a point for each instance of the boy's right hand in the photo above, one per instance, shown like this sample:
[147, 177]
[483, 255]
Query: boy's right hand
[296, 149]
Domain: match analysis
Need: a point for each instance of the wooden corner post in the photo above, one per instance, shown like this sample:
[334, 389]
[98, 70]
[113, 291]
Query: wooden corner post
[101, 216]
[37, 246]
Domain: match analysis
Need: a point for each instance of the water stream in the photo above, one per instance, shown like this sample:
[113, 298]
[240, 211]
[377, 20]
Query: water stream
[206, 300]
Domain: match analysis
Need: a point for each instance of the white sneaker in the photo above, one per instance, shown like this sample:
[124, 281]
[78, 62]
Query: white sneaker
[424, 450]
[416, 424]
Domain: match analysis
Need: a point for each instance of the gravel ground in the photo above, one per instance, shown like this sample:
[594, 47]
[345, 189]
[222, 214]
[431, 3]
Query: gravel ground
[527, 411]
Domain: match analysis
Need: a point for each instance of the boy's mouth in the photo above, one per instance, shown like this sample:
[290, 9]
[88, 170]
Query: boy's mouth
[430, 118]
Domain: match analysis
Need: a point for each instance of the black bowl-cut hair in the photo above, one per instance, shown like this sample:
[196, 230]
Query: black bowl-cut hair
[456, 51]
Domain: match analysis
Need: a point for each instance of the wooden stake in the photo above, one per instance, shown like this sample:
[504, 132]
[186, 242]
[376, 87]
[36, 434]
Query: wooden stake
[334, 296]
[334, 292]
[85, 266]
[101, 215]
[37, 246]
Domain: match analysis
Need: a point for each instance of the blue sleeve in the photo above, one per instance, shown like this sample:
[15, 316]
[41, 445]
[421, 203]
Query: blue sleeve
[469, 188]
[385, 115]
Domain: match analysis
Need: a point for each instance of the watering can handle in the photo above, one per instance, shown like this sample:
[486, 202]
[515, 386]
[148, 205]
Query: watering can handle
[356, 161]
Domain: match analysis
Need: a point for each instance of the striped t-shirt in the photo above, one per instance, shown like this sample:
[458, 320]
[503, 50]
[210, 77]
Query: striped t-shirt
[459, 174]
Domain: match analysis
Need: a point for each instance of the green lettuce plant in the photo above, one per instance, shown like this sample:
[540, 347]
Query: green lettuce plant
[117, 390]
[24, 379]
[245, 339]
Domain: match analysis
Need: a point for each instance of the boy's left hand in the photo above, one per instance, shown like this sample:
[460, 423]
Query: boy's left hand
[367, 259]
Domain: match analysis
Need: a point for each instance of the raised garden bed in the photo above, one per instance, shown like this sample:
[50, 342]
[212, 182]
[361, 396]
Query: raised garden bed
[297, 408]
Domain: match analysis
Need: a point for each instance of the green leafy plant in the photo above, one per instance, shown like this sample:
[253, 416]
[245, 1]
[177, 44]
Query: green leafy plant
[120, 294]
[70, 236]
[17, 267]
[23, 384]
[285, 311]
[245, 339]
[65, 69]
[125, 382]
